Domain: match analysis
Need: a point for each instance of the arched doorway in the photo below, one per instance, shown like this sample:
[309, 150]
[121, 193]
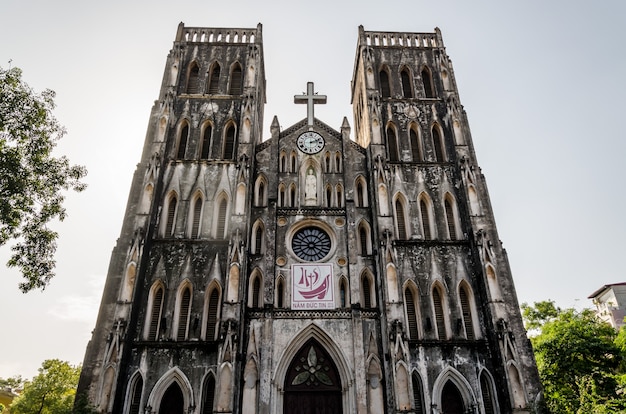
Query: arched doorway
[312, 383]
[172, 401]
[451, 400]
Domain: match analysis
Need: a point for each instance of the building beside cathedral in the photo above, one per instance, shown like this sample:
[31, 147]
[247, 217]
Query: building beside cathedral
[320, 271]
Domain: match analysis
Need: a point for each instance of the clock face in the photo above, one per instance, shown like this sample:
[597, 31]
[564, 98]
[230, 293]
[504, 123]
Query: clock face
[311, 244]
[310, 142]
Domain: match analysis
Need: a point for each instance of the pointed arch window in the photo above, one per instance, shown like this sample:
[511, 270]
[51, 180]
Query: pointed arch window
[343, 293]
[416, 152]
[411, 313]
[451, 399]
[135, 395]
[360, 194]
[214, 80]
[173, 400]
[392, 145]
[400, 220]
[212, 314]
[339, 192]
[366, 290]
[193, 80]
[487, 393]
[425, 216]
[197, 214]
[257, 247]
[280, 293]
[182, 141]
[385, 90]
[364, 240]
[292, 195]
[466, 311]
[440, 155]
[427, 80]
[418, 395]
[235, 80]
[450, 218]
[327, 162]
[183, 314]
[260, 193]
[439, 317]
[170, 218]
[281, 196]
[329, 196]
[208, 394]
[283, 162]
[256, 291]
[155, 314]
[221, 218]
[293, 162]
[206, 142]
[338, 162]
[229, 143]
[405, 76]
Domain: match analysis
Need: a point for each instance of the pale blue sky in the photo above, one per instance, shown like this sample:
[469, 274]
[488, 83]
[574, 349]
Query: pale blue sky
[542, 82]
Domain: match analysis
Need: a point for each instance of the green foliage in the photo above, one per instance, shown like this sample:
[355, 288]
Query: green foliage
[32, 180]
[50, 392]
[578, 359]
[14, 382]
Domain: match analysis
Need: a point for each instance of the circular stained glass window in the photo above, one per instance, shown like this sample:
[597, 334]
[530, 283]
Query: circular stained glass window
[311, 244]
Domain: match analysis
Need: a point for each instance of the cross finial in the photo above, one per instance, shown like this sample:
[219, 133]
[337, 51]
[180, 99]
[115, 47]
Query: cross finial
[309, 99]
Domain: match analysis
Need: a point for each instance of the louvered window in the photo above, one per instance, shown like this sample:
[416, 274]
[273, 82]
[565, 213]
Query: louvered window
[197, 211]
[206, 142]
[359, 195]
[280, 294]
[392, 145]
[229, 144]
[221, 219]
[385, 91]
[438, 143]
[193, 82]
[450, 219]
[425, 220]
[415, 146]
[411, 314]
[135, 402]
[171, 216]
[258, 239]
[363, 240]
[487, 393]
[183, 315]
[467, 314]
[235, 81]
[256, 289]
[208, 394]
[400, 220]
[155, 316]
[441, 324]
[367, 292]
[428, 83]
[211, 323]
[215, 80]
[406, 84]
[182, 142]
[418, 397]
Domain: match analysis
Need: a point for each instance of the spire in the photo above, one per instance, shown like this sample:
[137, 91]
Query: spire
[345, 128]
[275, 127]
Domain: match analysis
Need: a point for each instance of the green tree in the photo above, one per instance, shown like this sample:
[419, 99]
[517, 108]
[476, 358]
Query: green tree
[577, 358]
[32, 179]
[50, 392]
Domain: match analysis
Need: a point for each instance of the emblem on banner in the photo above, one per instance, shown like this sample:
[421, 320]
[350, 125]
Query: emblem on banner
[312, 286]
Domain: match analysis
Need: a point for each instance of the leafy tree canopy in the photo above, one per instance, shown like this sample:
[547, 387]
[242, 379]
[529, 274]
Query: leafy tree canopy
[578, 359]
[32, 180]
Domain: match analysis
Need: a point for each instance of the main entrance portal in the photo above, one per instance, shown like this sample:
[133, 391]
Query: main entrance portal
[312, 384]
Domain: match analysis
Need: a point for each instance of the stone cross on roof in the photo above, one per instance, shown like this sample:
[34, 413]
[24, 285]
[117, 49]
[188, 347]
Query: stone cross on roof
[309, 99]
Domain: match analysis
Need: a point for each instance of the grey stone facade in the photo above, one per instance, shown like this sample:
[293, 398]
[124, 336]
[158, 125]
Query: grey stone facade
[309, 273]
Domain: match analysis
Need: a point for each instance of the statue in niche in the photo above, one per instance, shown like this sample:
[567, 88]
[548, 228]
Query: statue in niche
[310, 187]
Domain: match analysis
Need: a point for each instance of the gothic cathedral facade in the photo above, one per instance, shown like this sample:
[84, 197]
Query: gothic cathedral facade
[312, 272]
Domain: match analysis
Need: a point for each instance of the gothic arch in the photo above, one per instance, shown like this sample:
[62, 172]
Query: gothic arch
[134, 393]
[439, 145]
[255, 289]
[339, 195]
[182, 311]
[360, 191]
[193, 78]
[170, 210]
[257, 239]
[220, 221]
[403, 401]
[492, 283]
[452, 217]
[473, 200]
[393, 145]
[412, 310]
[344, 369]
[392, 283]
[426, 215]
[281, 292]
[229, 141]
[236, 79]
[162, 129]
[183, 138]
[208, 393]
[292, 196]
[440, 310]
[212, 310]
[156, 299]
[344, 292]
[415, 140]
[282, 195]
[488, 392]
[206, 132]
[427, 82]
[327, 164]
[293, 163]
[401, 215]
[368, 289]
[128, 286]
[383, 200]
[173, 376]
[364, 238]
[146, 199]
[240, 205]
[233, 283]
[383, 78]
[282, 161]
[338, 165]
[260, 191]
[418, 393]
[450, 374]
[516, 385]
[214, 79]
[407, 84]
[195, 213]
[468, 310]
[374, 387]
